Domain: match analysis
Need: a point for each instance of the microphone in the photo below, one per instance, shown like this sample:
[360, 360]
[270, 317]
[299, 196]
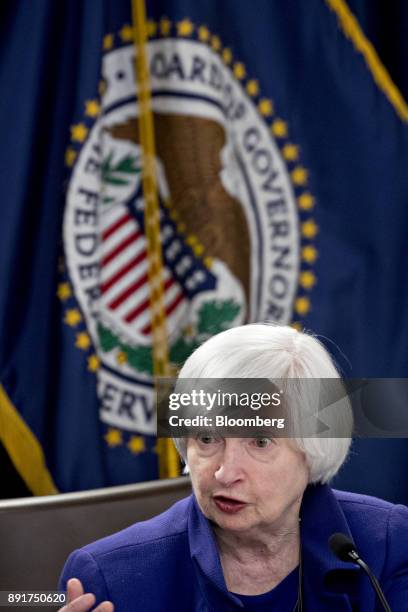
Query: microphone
[345, 550]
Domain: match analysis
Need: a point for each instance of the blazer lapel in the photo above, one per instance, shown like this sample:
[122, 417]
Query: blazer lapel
[328, 584]
[327, 580]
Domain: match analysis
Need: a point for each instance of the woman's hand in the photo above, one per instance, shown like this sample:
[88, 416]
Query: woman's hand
[80, 602]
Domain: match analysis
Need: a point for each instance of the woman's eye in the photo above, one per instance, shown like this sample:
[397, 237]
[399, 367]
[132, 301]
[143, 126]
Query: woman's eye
[262, 442]
[206, 439]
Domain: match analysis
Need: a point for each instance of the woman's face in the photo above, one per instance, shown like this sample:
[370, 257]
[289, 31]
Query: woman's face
[247, 483]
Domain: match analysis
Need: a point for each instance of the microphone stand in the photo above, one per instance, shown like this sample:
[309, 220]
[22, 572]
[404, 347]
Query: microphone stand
[355, 557]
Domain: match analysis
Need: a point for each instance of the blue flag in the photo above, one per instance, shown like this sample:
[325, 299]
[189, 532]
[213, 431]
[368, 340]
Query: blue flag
[281, 161]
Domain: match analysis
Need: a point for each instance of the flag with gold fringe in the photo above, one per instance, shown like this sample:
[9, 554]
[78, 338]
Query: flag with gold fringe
[172, 173]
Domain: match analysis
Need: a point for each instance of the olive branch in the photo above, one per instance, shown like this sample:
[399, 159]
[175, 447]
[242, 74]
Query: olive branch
[213, 317]
[119, 173]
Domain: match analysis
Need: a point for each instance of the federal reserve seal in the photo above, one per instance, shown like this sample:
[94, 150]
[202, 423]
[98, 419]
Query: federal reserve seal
[231, 229]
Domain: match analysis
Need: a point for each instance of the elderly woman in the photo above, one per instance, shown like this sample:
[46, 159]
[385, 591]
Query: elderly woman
[254, 533]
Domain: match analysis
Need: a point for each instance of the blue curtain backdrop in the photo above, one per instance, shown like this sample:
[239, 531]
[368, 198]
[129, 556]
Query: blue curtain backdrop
[349, 142]
[386, 26]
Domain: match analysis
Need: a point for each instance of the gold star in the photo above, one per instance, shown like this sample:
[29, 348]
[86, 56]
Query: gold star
[280, 128]
[93, 363]
[165, 26]
[83, 341]
[309, 229]
[64, 291]
[126, 33]
[227, 56]
[151, 28]
[108, 42]
[265, 107]
[185, 28]
[299, 175]
[121, 357]
[302, 305]
[203, 33]
[192, 240]
[198, 249]
[309, 254]
[307, 279]
[252, 87]
[70, 156]
[306, 201]
[92, 108]
[208, 262]
[79, 132]
[113, 437]
[239, 70]
[290, 152]
[72, 317]
[215, 43]
[296, 325]
[136, 445]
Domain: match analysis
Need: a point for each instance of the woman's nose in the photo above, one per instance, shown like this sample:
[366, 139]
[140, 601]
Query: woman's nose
[230, 467]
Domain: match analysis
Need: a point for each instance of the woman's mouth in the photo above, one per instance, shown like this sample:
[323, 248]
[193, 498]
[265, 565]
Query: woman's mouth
[228, 504]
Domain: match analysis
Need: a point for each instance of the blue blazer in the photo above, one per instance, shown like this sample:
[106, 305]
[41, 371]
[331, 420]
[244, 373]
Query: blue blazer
[171, 562]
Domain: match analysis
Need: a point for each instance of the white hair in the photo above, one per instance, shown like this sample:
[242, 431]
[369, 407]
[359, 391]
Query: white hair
[267, 350]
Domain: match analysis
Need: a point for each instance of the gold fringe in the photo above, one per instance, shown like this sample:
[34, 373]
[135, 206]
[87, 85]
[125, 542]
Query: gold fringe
[353, 31]
[24, 449]
[169, 463]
